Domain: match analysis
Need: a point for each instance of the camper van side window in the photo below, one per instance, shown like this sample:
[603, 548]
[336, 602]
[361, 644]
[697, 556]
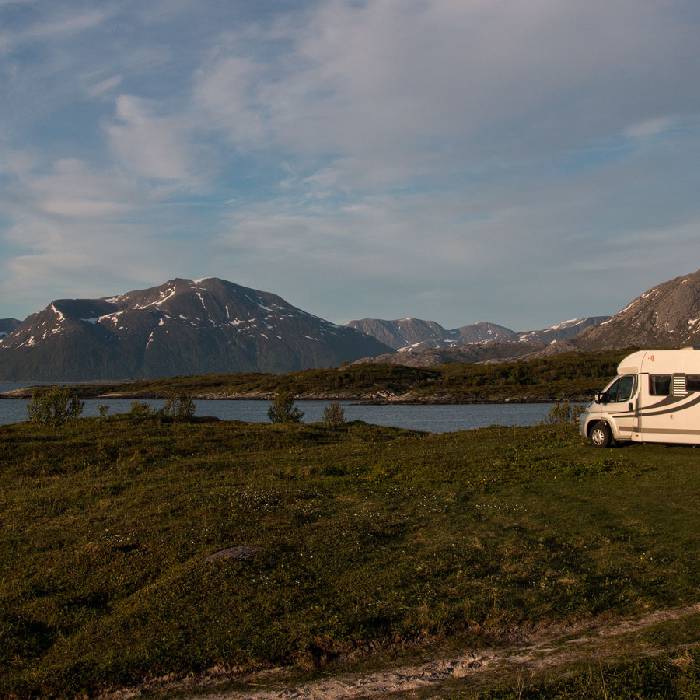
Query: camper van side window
[692, 382]
[659, 384]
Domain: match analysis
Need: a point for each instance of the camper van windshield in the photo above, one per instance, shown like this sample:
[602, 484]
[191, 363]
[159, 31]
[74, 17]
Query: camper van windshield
[621, 389]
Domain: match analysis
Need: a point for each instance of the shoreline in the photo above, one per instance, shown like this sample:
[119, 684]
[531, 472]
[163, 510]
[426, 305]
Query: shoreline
[359, 400]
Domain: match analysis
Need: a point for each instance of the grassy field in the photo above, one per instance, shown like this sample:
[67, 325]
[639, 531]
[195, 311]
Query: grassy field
[361, 542]
[573, 376]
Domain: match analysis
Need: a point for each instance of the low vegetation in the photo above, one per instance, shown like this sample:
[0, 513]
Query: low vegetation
[333, 415]
[54, 406]
[564, 413]
[569, 376]
[179, 406]
[283, 410]
[130, 549]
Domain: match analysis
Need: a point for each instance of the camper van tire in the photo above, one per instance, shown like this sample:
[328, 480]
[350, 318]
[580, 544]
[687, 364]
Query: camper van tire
[601, 435]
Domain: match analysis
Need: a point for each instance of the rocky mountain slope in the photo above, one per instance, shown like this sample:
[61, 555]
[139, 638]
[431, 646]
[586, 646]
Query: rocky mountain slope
[666, 316]
[470, 352]
[428, 343]
[403, 332]
[417, 335]
[180, 327]
[563, 331]
[7, 325]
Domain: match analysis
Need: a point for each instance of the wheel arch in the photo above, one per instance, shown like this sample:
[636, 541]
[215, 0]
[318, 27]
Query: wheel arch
[594, 421]
[601, 419]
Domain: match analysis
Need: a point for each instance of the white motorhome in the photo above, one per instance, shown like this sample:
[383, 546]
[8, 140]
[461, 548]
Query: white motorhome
[654, 398]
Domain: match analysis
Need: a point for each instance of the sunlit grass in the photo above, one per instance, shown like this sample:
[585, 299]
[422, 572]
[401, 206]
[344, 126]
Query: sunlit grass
[366, 538]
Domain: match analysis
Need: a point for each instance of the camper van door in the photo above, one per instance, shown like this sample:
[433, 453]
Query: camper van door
[622, 404]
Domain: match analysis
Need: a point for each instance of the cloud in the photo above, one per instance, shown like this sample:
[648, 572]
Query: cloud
[409, 88]
[70, 261]
[58, 26]
[71, 189]
[650, 128]
[151, 146]
[425, 157]
[226, 92]
[76, 230]
[521, 250]
[105, 86]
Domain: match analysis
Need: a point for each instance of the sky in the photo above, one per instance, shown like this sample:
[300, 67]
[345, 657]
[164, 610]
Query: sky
[518, 161]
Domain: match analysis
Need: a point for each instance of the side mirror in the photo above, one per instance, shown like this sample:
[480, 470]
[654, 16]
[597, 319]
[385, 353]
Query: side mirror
[600, 397]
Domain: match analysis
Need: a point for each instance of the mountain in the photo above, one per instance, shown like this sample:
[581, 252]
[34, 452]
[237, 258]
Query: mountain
[666, 316]
[7, 325]
[415, 335]
[180, 327]
[403, 332]
[428, 343]
[565, 330]
[472, 352]
[484, 332]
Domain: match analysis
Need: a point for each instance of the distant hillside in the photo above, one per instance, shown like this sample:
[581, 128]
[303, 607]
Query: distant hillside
[7, 325]
[665, 316]
[565, 330]
[416, 335]
[180, 327]
[420, 343]
[473, 352]
[403, 332]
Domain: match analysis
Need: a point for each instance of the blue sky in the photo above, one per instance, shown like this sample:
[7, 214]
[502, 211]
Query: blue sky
[521, 161]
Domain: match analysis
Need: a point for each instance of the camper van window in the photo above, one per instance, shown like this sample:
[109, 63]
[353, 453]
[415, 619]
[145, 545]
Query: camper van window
[659, 384]
[692, 382]
[622, 389]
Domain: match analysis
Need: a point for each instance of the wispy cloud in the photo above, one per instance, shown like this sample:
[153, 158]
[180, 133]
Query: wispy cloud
[150, 145]
[74, 231]
[408, 88]
[103, 87]
[650, 127]
[59, 26]
[376, 157]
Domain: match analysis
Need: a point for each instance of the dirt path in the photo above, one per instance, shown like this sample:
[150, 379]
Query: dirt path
[592, 641]
[539, 655]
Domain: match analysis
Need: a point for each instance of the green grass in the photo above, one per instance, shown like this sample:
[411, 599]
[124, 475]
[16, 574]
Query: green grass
[573, 376]
[368, 539]
[648, 678]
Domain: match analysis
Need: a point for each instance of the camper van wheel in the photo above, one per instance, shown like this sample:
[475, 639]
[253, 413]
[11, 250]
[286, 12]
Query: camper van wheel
[601, 435]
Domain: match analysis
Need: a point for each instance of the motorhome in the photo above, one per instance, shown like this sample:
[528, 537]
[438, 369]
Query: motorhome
[654, 398]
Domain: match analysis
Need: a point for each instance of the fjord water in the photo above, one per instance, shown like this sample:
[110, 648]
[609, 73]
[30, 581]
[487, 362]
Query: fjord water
[436, 419]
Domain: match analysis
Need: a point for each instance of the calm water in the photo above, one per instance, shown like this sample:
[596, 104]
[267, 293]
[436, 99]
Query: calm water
[437, 419]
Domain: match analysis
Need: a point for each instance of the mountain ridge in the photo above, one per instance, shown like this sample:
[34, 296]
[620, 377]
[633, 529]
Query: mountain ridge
[215, 326]
[416, 335]
[180, 327]
[667, 315]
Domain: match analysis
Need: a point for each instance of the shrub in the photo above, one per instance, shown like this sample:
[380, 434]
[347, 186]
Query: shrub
[283, 409]
[54, 406]
[180, 406]
[564, 412]
[103, 410]
[140, 410]
[333, 415]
